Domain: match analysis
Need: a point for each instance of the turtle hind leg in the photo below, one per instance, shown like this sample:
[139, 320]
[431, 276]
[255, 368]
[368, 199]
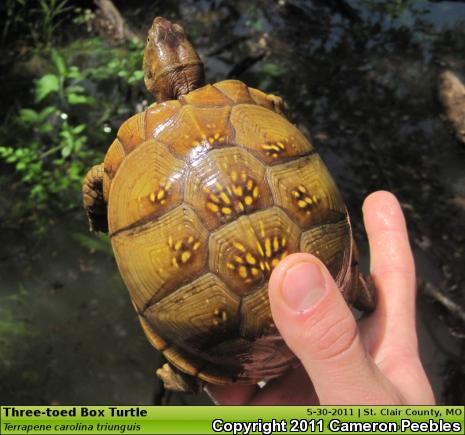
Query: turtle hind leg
[175, 380]
[94, 202]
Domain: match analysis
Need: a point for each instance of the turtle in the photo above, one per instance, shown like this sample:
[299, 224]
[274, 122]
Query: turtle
[202, 195]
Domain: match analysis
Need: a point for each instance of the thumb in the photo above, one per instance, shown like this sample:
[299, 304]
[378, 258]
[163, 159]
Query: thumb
[319, 328]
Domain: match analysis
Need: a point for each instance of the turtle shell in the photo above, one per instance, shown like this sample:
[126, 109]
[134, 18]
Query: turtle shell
[206, 194]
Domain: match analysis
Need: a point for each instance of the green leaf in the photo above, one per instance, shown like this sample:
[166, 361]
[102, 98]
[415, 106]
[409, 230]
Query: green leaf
[45, 127]
[136, 76]
[79, 128]
[66, 150]
[28, 116]
[38, 191]
[46, 85]
[6, 151]
[74, 73]
[58, 62]
[76, 89]
[257, 24]
[45, 113]
[79, 99]
[95, 243]
[273, 69]
[21, 165]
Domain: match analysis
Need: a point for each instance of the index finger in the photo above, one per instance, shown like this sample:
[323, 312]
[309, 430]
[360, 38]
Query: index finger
[393, 271]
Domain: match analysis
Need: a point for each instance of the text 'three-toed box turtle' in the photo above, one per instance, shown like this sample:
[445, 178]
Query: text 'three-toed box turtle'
[203, 194]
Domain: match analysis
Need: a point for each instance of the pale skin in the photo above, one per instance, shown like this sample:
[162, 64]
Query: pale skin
[374, 361]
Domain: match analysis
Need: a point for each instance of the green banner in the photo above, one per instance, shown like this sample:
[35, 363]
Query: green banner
[234, 420]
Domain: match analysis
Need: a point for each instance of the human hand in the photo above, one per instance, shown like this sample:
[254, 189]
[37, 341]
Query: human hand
[374, 362]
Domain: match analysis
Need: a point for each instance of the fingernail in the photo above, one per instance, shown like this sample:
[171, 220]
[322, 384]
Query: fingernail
[303, 286]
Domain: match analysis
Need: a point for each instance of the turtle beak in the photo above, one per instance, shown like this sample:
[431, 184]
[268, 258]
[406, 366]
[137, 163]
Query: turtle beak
[165, 31]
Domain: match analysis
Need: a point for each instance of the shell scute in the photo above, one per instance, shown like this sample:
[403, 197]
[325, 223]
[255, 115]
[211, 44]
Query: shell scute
[306, 190]
[245, 252]
[195, 130]
[226, 184]
[206, 96]
[236, 91]
[157, 257]
[113, 158]
[148, 185]
[331, 243]
[256, 319]
[197, 315]
[159, 117]
[132, 132]
[267, 135]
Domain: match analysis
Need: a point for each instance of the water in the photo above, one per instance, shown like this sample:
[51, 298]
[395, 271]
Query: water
[362, 81]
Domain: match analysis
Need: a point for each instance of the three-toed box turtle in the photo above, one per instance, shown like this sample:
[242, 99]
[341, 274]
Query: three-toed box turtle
[202, 195]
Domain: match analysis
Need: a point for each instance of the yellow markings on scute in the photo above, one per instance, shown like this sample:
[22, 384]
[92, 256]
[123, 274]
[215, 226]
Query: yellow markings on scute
[182, 250]
[245, 252]
[185, 317]
[160, 195]
[214, 139]
[306, 191]
[212, 207]
[233, 199]
[249, 265]
[160, 254]
[250, 259]
[195, 130]
[304, 199]
[275, 149]
[148, 184]
[239, 246]
[226, 184]
[267, 135]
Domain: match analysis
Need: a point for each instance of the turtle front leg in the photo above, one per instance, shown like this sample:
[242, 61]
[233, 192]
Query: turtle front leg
[175, 380]
[278, 104]
[94, 202]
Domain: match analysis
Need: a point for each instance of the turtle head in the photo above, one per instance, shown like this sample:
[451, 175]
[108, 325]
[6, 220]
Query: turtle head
[172, 67]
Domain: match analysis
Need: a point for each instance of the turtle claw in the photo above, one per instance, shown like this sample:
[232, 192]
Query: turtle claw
[174, 380]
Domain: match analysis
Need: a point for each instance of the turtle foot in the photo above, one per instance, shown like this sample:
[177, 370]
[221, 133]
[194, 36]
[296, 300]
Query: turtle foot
[175, 380]
[94, 202]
